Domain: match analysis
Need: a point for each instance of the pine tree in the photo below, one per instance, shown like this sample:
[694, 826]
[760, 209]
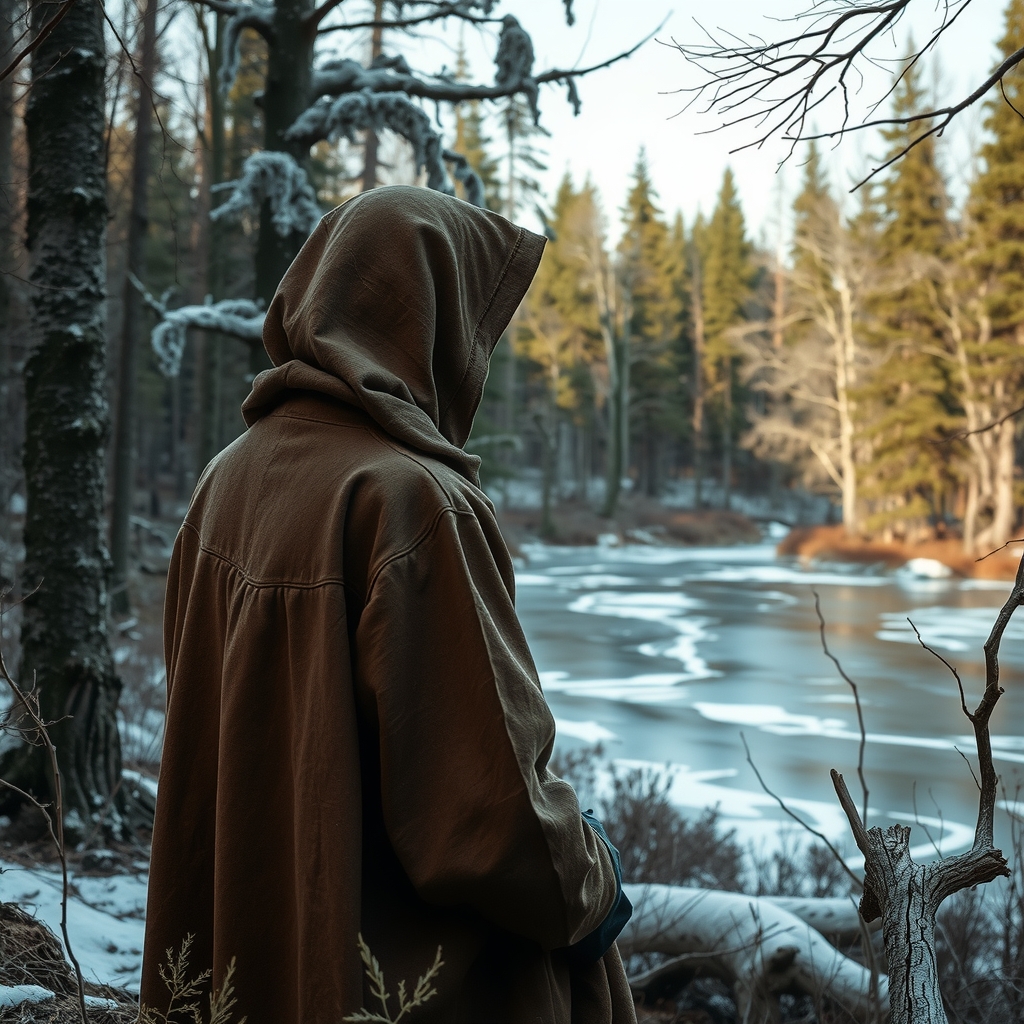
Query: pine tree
[996, 255]
[728, 278]
[812, 208]
[647, 272]
[910, 397]
[696, 252]
[559, 334]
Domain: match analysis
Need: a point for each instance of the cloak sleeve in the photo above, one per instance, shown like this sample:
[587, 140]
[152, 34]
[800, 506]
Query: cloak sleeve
[471, 810]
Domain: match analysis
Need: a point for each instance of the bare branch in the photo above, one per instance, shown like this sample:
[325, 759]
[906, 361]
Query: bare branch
[54, 822]
[444, 10]
[856, 701]
[979, 430]
[956, 675]
[777, 84]
[40, 38]
[858, 884]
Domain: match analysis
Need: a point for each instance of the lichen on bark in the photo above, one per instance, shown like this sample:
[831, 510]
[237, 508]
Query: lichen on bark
[65, 647]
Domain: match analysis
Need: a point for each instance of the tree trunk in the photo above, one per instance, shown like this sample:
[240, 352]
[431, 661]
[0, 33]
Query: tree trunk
[727, 437]
[696, 299]
[65, 649]
[131, 329]
[1003, 510]
[844, 356]
[618, 416]
[548, 456]
[288, 93]
[372, 143]
[209, 361]
[9, 12]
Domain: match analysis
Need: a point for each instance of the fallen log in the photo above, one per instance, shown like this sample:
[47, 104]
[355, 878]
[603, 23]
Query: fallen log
[758, 945]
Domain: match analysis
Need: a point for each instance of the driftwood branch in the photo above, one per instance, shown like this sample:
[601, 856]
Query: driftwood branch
[906, 895]
[763, 946]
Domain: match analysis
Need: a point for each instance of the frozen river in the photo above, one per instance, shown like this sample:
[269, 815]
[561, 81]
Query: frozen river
[665, 655]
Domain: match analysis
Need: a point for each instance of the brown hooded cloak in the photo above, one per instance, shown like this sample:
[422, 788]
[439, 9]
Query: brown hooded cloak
[356, 740]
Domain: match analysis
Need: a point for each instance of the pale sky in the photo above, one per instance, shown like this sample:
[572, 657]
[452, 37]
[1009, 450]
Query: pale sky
[632, 103]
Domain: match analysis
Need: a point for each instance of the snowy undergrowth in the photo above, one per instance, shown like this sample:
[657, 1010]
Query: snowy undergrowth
[106, 916]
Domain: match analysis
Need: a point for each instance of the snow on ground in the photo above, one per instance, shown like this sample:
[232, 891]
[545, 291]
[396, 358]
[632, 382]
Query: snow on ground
[106, 919]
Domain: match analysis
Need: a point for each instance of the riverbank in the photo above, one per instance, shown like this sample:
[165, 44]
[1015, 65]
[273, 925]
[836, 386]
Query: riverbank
[638, 520]
[833, 543]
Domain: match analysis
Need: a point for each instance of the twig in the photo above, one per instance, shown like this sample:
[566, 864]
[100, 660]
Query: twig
[858, 884]
[956, 675]
[30, 703]
[856, 701]
[39, 39]
[778, 84]
[979, 430]
[995, 551]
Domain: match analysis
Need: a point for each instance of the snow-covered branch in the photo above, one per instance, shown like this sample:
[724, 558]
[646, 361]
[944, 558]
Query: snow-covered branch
[513, 74]
[238, 318]
[463, 171]
[353, 112]
[276, 177]
[257, 15]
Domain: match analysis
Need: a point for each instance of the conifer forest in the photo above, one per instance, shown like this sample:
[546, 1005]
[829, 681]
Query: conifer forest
[781, 453]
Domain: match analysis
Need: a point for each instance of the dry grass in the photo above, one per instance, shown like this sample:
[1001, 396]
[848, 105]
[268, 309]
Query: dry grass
[30, 954]
[833, 542]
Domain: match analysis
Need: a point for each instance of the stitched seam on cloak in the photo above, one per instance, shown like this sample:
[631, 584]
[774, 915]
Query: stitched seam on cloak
[248, 578]
[384, 438]
[391, 559]
[483, 316]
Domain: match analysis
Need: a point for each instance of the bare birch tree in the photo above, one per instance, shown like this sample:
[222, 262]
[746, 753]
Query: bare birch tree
[810, 382]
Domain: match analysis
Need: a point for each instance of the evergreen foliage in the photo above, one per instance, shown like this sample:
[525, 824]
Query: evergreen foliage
[729, 274]
[910, 398]
[649, 269]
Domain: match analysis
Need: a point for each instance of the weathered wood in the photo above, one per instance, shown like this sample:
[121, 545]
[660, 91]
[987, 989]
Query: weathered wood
[907, 896]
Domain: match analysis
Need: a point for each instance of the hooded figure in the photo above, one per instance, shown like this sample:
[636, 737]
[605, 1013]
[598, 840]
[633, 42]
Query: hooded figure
[356, 741]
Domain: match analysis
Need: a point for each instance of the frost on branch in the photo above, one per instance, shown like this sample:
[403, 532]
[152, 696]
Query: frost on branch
[278, 178]
[463, 171]
[358, 111]
[513, 63]
[239, 318]
[258, 16]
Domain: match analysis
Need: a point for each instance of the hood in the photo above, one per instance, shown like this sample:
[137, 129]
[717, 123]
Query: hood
[394, 305]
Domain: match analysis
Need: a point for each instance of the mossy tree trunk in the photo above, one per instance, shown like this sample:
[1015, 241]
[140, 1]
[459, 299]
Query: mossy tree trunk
[65, 648]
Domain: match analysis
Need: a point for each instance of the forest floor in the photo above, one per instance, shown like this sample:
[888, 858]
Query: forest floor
[832, 542]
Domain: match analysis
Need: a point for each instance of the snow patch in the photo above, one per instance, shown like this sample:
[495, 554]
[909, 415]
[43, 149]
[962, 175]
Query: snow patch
[589, 732]
[925, 568]
[658, 688]
[15, 995]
